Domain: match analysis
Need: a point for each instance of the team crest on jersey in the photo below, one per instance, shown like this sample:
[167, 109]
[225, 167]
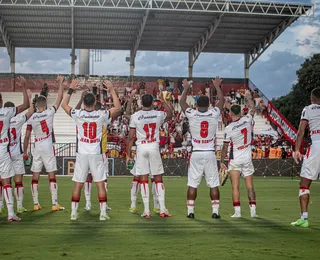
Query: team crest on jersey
[73, 111]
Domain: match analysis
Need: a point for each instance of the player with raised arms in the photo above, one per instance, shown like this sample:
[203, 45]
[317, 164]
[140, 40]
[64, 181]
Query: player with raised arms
[239, 135]
[6, 166]
[145, 124]
[310, 169]
[16, 152]
[203, 124]
[90, 124]
[88, 183]
[41, 123]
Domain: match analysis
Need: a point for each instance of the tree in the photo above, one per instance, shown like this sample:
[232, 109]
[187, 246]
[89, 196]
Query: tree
[293, 103]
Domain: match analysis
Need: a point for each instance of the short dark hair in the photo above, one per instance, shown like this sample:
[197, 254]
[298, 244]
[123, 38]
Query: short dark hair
[41, 101]
[9, 104]
[315, 94]
[89, 100]
[203, 101]
[235, 109]
[98, 106]
[147, 100]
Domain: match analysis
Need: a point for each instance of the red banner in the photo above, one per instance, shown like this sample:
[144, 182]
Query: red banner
[285, 127]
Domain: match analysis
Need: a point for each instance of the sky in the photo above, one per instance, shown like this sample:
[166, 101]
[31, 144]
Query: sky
[274, 72]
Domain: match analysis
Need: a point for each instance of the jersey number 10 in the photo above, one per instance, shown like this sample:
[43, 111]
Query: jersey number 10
[90, 130]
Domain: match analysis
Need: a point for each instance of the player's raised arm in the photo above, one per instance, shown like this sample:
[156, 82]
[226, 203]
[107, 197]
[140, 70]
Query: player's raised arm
[127, 113]
[217, 84]
[66, 100]
[26, 103]
[31, 107]
[183, 99]
[60, 92]
[251, 106]
[302, 127]
[78, 106]
[116, 110]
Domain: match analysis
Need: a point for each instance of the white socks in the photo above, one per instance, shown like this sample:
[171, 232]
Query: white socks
[54, 191]
[134, 192]
[144, 189]
[34, 190]
[190, 206]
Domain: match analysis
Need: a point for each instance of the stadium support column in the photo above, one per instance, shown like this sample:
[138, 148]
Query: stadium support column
[190, 67]
[132, 61]
[84, 62]
[73, 56]
[246, 65]
[13, 60]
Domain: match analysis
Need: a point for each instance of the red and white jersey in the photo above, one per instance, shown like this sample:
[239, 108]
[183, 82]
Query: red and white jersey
[312, 115]
[90, 128]
[147, 125]
[16, 124]
[6, 113]
[203, 128]
[42, 125]
[239, 135]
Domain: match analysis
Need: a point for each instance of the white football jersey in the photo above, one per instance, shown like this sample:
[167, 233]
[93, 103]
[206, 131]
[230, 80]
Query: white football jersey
[312, 115]
[16, 124]
[203, 128]
[147, 125]
[6, 113]
[41, 123]
[90, 130]
[239, 135]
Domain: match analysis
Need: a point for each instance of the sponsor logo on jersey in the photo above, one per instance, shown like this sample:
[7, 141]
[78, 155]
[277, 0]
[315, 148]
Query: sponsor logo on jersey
[89, 116]
[146, 117]
[237, 126]
[39, 116]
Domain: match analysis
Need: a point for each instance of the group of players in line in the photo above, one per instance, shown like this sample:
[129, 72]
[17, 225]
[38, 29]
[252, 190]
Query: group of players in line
[91, 127]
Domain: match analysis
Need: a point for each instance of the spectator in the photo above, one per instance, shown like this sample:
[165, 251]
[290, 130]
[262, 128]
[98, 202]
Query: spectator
[267, 152]
[238, 97]
[259, 153]
[273, 152]
[232, 94]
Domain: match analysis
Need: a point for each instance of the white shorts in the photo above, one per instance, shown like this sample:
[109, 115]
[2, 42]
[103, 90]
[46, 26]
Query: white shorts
[6, 168]
[148, 160]
[106, 165]
[18, 164]
[311, 163]
[44, 157]
[245, 168]
[203, 163]
[134, 171]
[93, 162]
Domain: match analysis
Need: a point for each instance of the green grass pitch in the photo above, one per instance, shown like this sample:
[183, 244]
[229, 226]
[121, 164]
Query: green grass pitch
[51, 235]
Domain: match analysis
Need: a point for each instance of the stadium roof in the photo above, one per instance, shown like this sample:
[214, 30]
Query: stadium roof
[192, 26]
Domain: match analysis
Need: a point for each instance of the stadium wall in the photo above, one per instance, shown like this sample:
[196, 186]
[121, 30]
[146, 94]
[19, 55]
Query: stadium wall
[179, 167]
[36, 81]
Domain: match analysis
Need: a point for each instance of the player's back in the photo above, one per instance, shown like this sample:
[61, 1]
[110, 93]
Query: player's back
[91, 127]
[6, 114]
[203, 127]
[239, 133]
[16, 124]
[312, 115]
[41, 123]
[147, 124]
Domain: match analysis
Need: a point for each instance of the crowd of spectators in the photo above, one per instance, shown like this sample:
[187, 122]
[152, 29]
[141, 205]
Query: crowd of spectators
[175, 140]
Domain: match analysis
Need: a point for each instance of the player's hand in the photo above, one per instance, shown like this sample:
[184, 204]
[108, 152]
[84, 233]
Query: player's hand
[223, 166]
[298, 157]
[108, 85]
[74, 84]
[217, 81]
[185, 84]
[60, 79]
[22, 81]
[133, 92]
[29, 93]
